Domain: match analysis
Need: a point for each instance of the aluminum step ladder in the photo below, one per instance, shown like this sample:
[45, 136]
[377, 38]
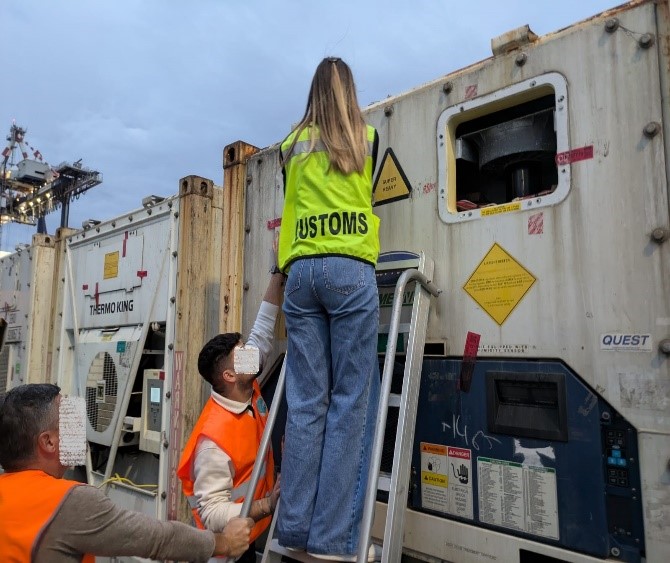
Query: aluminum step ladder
[420, 271]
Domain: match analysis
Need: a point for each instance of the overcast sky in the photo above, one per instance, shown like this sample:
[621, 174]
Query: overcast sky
[149, 91]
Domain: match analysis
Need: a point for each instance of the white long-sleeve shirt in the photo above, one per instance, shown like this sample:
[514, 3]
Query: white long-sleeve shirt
[213, 472]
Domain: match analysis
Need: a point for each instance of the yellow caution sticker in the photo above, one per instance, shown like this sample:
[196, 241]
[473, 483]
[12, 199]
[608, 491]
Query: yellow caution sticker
[435, 479]
[499, 283]
[111, 265]
[391, 183]
[498, 209]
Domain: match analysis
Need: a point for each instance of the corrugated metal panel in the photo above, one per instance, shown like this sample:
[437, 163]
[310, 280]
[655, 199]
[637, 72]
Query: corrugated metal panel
[4, 368]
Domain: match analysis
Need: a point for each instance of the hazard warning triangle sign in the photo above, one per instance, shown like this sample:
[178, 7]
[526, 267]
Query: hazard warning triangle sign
[391, 183]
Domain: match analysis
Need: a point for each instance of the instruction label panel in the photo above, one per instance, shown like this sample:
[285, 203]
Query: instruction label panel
[499, 283]
[446, 479]
[519, 497]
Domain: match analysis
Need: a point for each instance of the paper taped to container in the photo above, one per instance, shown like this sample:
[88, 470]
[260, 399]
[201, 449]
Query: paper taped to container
[72, 430]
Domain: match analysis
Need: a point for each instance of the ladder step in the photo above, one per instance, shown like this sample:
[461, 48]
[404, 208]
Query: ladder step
[307, 558]
[403, 328]
[394, 400]
[384, 481]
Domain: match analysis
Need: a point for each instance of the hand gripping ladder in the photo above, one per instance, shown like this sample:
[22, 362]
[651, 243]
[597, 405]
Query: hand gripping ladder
[397, 482]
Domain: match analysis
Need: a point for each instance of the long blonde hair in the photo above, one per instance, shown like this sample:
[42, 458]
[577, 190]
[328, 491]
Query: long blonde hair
[332, 108]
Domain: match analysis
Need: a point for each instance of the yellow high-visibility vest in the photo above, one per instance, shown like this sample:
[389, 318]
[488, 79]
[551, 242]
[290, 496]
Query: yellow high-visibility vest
[326, 213]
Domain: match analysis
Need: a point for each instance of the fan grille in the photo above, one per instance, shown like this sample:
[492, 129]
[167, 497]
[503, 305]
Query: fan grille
[101, 391]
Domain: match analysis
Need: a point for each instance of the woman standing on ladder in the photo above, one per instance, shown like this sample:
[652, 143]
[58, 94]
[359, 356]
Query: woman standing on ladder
[329, 245]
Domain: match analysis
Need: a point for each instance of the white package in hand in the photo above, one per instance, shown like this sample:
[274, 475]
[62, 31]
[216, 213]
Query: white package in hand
[72, 429]
[246, 359]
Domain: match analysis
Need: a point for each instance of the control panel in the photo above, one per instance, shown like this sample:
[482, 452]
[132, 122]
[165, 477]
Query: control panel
[152, 410]
[622, 479]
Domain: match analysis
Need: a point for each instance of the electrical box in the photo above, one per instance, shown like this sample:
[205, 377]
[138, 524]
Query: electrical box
[152, 410]
[33, 171]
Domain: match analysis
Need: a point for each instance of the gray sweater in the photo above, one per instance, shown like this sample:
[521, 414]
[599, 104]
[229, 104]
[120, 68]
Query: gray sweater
[88, 522]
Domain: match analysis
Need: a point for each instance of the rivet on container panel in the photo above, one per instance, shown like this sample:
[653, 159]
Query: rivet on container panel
[664, 346]
[388, 111]
[611, 25]
[646, 40]
[521, 59]
[660, 234]
[651, 129]
[448, 87]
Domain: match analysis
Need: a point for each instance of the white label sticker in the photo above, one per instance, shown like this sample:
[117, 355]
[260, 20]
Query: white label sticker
[460, 486]
[155, 395]
[622, 342]
[434, 477]
[446, 479]
[519, 497]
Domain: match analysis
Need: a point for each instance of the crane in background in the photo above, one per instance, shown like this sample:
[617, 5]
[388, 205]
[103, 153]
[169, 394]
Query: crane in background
[30, 188]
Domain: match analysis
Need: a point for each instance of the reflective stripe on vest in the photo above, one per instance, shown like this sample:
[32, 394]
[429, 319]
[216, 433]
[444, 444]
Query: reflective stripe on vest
[302, 147]
[193, 502]
[240, 491]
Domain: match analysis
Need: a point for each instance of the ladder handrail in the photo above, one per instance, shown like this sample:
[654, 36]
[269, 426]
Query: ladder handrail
[387, 377]
[265, 444]
[366, 524]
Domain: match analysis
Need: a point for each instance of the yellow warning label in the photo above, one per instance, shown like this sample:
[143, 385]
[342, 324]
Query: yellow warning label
[391, 183]
[111, 265]
[435, 479]
[498, 209]
[433, 448]
[499, 283]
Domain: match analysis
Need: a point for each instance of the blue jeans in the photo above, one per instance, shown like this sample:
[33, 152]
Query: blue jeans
[331, 306]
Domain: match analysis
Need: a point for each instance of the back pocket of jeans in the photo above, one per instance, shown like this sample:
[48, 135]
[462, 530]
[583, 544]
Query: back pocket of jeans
[343, 275]
[294, 275]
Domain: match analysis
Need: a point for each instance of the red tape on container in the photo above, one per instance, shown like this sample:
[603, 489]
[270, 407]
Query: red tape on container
[469, 360]
[575, 155]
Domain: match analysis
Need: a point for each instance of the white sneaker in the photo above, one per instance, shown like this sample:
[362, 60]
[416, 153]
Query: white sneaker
[372, 555]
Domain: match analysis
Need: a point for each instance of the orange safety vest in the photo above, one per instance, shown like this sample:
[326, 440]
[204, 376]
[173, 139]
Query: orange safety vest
[239, 436]
[29, 500]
